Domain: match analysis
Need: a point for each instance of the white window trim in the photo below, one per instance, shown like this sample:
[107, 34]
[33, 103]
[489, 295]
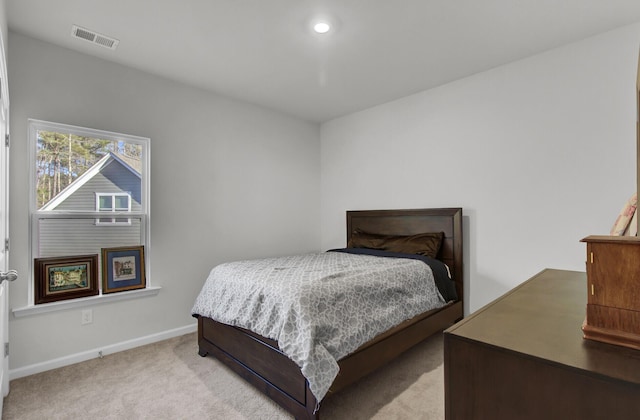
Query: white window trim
[35, 125]
[84, 302]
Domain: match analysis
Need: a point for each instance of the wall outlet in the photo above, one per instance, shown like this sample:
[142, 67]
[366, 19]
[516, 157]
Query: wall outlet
[87, 317]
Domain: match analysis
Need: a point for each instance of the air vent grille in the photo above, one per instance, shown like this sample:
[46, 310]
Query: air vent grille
[94, 37]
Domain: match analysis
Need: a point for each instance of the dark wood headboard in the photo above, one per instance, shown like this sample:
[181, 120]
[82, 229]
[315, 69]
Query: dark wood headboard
[411, 222]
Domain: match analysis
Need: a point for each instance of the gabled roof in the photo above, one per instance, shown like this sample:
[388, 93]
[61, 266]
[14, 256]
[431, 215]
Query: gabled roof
[86, 177]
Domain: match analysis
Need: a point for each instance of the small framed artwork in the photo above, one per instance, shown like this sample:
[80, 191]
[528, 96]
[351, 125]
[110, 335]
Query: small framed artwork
[60, 278]
[123, 269]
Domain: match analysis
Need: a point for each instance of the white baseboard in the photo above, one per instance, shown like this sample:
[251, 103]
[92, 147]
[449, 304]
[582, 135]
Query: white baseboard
[92, 354]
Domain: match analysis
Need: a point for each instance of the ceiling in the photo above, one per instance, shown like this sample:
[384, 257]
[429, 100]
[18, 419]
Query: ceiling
[264, 52]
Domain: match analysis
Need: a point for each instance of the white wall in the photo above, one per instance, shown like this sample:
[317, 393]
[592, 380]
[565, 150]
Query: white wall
[540, 153]
[229, 180]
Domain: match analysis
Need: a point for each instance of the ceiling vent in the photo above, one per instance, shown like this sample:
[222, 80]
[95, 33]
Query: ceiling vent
[94, 37]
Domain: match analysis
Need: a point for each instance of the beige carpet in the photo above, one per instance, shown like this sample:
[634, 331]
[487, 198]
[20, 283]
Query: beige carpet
[168, 380]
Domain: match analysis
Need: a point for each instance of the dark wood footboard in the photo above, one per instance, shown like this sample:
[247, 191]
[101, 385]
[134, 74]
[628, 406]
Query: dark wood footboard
[260, 362]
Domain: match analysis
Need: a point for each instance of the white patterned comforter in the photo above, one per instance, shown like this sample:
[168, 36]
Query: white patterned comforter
[318, 307]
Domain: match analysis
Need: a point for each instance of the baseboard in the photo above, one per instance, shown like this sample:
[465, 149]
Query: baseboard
[92, 354]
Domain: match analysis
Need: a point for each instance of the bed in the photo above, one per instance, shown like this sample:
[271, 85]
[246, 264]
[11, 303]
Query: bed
[260, 361]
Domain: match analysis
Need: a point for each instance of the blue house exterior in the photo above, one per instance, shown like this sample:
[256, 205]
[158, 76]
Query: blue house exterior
[113, 187]
[110, 175]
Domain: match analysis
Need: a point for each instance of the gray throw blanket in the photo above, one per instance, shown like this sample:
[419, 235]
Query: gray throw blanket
[318, 307]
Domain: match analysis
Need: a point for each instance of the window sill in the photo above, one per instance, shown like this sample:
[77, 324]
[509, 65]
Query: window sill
[83, 302]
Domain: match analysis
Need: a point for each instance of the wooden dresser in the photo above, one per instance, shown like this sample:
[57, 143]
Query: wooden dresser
[613, 293]
[524, 357]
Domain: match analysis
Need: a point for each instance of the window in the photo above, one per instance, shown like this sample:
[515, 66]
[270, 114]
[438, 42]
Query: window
[113, 202]
[89, 190]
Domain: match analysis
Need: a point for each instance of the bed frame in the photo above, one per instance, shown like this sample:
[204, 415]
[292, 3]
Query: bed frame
[260, 362]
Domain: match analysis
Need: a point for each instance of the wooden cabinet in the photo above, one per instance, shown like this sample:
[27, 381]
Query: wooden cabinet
[613, 290]
[523, 357]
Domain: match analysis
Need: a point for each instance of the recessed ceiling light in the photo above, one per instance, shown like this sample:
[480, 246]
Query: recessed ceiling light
[322, 27]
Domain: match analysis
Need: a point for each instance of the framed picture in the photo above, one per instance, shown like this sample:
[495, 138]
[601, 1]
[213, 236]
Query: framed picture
[60, 278]
[123, 269]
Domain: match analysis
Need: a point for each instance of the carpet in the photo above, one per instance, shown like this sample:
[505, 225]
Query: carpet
[169, 380]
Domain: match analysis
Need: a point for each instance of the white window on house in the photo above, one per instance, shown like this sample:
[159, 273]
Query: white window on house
[116, 203]
[89, 191]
